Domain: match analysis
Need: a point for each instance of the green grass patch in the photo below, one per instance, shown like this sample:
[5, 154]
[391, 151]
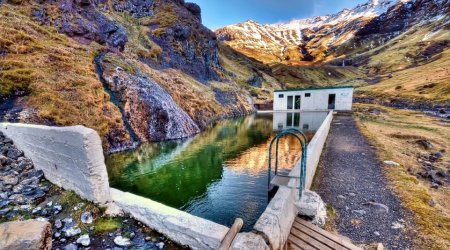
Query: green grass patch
[107, 225]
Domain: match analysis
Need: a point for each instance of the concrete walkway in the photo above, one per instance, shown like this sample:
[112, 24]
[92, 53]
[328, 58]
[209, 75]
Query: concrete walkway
[351, 180]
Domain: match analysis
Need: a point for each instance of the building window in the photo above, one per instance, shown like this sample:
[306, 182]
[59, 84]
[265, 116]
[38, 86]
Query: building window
[305, 126]
[280, 96]
[307, 94]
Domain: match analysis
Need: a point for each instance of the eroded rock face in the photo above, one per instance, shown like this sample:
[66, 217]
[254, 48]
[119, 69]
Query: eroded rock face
[187, 44]
[30, 234]
[83, 19]
[151, 111]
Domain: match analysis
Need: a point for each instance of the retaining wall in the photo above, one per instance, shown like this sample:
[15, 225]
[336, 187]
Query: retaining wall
[70, 157]
[276, 221]
[179, 226]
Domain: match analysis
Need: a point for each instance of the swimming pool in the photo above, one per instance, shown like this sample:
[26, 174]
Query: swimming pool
[221, 173]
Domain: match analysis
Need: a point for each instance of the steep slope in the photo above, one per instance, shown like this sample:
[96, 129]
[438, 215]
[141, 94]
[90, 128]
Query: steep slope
[135, 71]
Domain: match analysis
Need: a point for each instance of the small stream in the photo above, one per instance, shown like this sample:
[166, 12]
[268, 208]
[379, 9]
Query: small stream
[99, 70]
[220, 174]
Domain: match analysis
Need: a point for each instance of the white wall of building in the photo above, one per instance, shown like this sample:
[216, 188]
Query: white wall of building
[317, 100]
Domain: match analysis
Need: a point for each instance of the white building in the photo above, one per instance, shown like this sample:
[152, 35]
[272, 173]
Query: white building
[313, 99]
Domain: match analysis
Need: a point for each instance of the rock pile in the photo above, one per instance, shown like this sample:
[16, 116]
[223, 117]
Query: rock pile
[430, 170]
[20, 183]
[24, 193]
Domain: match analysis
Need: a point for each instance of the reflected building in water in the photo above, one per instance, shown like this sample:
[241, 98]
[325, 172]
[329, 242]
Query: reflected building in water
[305, 121]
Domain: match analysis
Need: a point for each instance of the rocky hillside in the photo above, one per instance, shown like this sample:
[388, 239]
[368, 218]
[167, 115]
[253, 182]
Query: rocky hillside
[400, 48]
[135, 71]
[323, 38]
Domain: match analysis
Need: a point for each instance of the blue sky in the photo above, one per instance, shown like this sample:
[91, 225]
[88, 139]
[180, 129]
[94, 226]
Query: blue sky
[219, 13]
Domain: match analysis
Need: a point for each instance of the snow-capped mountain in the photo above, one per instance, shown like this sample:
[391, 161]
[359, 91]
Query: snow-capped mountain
[323, 38]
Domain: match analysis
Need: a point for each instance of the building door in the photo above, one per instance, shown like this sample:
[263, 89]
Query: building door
[290, 102]
[298, 100]
[331, 101]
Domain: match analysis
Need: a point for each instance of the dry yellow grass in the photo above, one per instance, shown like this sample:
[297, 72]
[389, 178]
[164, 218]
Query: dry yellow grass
[412, 65]
[56, 71]
[394, 133]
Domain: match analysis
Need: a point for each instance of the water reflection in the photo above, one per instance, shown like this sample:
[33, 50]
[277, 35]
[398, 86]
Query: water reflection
[220, 174]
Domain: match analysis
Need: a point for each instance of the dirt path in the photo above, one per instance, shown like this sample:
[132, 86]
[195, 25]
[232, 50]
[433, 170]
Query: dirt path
[351, 180]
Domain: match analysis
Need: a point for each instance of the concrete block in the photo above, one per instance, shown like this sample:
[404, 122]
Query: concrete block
[248, 241]
[179, 226]
[30, 234]
[276, 221]
[70, 157]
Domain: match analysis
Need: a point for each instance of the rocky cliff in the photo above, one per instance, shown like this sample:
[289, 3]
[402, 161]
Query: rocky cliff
[136, 71]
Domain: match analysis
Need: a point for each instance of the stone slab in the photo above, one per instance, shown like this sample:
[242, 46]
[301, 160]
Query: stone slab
[30, 235]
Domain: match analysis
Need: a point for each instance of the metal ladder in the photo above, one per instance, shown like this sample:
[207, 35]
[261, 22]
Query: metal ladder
[283, 180]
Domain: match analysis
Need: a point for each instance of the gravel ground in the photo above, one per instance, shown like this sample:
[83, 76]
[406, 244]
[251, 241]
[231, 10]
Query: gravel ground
[351, 180]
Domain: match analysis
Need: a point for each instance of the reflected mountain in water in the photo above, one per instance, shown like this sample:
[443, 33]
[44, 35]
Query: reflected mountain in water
[219, 174]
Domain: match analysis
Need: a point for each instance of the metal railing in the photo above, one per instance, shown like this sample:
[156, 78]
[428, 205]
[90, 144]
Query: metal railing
[304, 151]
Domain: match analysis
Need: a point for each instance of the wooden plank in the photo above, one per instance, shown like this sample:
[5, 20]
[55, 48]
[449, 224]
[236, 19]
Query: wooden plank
[229, 237]
[292, 246]
[311, 240]
[300, 243]
[333, 237]
[324, 240]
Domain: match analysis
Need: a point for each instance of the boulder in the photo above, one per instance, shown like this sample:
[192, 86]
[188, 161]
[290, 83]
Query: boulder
[312, 206]
[254, 81]
[30, 234]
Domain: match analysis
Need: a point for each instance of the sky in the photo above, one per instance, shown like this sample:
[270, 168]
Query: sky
[219, 13]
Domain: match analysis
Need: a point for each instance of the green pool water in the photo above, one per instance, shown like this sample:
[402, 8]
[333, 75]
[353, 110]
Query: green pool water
[220, 174]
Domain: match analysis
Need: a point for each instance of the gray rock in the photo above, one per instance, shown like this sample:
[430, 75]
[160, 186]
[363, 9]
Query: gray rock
[360, 212]
[68, 222]
[122, 241]
[9, 180]
[70, 232]
[4, 203]
[311, 205]
[3, 195]
[379, 207]
[39, 174]
[254, 81]
[70, 246]
[160, 245]
[19, 199]
[425, 144]
[84, 240]
[86, 218]
[4, 211]
[36, 210]
[14, 153]
[391, 163]
[58, 223]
